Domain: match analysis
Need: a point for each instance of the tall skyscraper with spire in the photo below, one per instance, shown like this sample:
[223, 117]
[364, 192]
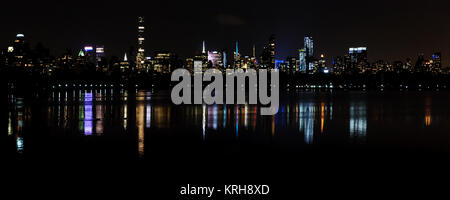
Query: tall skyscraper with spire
[140, 56]
[237, 57]
[254, 51]
[272, 51]
[124, 65]
[204, 47]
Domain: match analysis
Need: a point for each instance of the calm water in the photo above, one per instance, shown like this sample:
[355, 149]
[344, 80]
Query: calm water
[138, 124]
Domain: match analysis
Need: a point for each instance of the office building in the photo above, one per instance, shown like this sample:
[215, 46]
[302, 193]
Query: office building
[140, 56]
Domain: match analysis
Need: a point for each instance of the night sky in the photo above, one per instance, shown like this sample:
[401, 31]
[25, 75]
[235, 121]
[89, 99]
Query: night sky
[392, 30]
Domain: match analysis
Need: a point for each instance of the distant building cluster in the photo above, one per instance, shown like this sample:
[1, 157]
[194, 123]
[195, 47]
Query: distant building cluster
[92, 57]
[356, 61]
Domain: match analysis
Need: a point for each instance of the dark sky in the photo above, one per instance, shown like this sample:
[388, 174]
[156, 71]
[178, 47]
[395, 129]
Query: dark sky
[392, 30]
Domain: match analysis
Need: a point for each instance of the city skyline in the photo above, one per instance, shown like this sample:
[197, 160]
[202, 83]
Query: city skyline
[354, 62]
[222, 26]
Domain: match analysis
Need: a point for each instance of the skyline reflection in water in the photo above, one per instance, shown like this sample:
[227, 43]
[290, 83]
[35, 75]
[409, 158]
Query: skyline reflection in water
[303, 119]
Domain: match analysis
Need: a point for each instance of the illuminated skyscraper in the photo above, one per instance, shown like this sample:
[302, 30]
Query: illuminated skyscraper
[436, 62]
[165, 62]
[253, 59]
[18, 50]
[321, 68]
[140, 58]
[272, 51]
[309, 46]
[339, 65]
[237, 57]
[204, 47]
[302, 60]
[358, 59]
[254, 51]
[124, 65]
[309, 51]
[215, 58]
[291, 64]
[99, 52]
[100, 58]
[89, 54]
[224, 57]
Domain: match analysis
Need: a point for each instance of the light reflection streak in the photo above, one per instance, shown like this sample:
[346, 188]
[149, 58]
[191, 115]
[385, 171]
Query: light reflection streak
[427, 112]
[322, 116]
[246, 115]
[215, 116]
[237, 121]
[254, 117]
[19, 144]
[88, 117]
[358, 120]
[140, 125]
[204, 122]
[19, 128]
[273, 125]
[306, 121]
[99, 117]
[224, 116]
[125, 115]
[148, 116]
[10, 129]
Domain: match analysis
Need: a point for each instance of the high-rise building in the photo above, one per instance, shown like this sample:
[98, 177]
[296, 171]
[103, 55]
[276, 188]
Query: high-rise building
[224, 58]
[164, 62]
[420, 63]
[99, 52]
[140, 58]
[189, 65]
[18, 50]
[89, 54]
[279, 65]
[254, 52]
[204, 47]
[358, 59]
[436, 62]
[268, 54]
[309, 50]
[291, 64]
[237, 57]
[302, 60]
[339, 65]
[215, 59]
[321, 67]
[247, 62]
[198, 64]
[272, 51]
[253, 59]
[309, 46]
[203, 57]
[80, 59]
[100, 60]
[124, 65]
